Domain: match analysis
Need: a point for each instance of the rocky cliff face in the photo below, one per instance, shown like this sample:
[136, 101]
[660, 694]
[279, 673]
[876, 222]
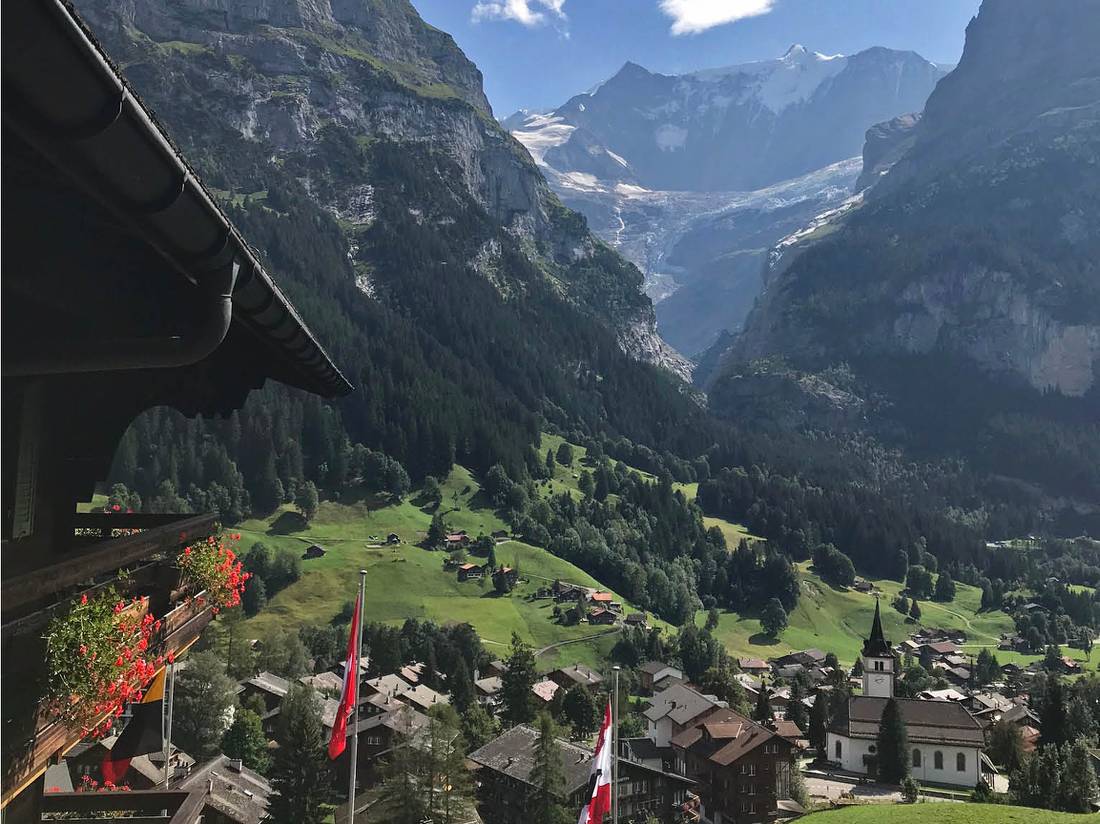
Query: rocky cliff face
[973, 259]
[303, 76]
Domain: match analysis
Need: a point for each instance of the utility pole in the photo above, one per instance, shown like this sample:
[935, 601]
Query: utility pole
[355, 712]
[615, 750]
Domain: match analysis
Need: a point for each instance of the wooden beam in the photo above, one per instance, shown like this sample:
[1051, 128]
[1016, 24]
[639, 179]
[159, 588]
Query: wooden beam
[189, 811]
[106, 556]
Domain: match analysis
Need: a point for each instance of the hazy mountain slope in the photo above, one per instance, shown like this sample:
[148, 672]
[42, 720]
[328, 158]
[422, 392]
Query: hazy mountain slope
[694, 177]
[958, 308]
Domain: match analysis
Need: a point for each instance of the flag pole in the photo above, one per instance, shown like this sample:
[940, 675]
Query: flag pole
[355, 711]
[615, 751]
[168, 728]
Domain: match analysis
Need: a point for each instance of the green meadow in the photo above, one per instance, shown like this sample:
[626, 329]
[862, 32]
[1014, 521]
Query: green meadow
[945, 813]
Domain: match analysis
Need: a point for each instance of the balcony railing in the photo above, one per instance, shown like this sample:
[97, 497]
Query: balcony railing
[145, 547]
[147, 806]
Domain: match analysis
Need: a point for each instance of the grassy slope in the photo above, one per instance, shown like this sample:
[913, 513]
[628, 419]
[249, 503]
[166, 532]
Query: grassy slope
[409, 582]
[838, 620]
[945, 814]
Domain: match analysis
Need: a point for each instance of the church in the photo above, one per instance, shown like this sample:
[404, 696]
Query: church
[945, 741]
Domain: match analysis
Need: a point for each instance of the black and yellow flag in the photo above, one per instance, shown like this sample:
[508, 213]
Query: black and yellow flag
[144, 734]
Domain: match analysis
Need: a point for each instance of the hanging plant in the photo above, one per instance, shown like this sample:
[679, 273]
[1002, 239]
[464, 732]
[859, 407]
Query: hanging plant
[212, 566]
[98, 658]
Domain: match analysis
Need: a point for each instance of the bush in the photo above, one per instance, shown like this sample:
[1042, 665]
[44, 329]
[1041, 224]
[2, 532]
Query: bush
[909, 790]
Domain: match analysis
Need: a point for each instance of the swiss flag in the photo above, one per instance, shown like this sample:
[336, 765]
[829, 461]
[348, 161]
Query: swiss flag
[599, 781]
[350, 693]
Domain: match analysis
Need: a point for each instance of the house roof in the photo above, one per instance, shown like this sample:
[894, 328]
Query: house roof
[654, 667]
[240, 794]
[727, 735]
[271, 683]
[752, 663]
[786, 728]
[323, 681]
[545, 689]
[389, 684]
[602, 597]
[491, 685]
[942, 647]
[680, 703]
[579, 674]
[646, 748]
[927, 722]
[948, 694]
[423, 697]
[513, 754]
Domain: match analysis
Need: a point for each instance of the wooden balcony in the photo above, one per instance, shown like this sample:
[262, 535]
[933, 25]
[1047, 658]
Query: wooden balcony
[146, 806]
[146, 547]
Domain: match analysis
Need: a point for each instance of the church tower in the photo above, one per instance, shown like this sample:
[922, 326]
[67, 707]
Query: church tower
[879, 662]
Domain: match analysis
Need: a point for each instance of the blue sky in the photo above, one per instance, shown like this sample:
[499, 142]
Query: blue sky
[539, 53]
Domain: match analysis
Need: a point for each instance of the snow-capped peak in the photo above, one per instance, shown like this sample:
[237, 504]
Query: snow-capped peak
[795, 52]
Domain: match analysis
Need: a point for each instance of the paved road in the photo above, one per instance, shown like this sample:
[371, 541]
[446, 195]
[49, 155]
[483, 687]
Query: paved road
[830, 789]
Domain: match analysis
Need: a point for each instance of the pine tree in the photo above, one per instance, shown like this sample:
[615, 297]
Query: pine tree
[478, 727]
[1052, 714]
[1005, 745]
[461, 687]
[945, 588]
[307, 500]
[299, 776]
[893, 745]
[548, 777]
[580, 710]
[203, 696]
[518, 700]
[763, 710]
[1078, 787]
[401, 798]
[245, 740]
[437, 531]
[796, 710]
[549, 463]
[773, 620]
[819, 722]
[914, 610]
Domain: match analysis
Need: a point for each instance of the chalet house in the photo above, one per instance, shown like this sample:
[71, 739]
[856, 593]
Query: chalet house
[393, 538]
[125, 287]
[651, 672]
[637, 620]
[742, 769]
[806, 658]
[936, 651]
[234, 793]
[470, 572]
[545, 690]
[326, 683]
[862, 585]
[793, 734]
[422, 698]
[146, 771]
[602, 616]
[496, 667]
[563, 591]
[509, 574]
[378, 733]
[753, 666]
[945, 740]
[387, 685]
[674, 710]
[271, 689]
[488, 690]
[506, 794]
[313, 551]
[455, 540]
[576, 675]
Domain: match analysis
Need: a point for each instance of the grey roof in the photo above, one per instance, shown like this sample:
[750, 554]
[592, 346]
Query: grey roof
[240, 795]
[513, 754]
[423, 697]
[680, 703]
[491, 685]
[389, 684]
[646, 749]
[926, 722]
[270, 682]
[654, 667]
[580, 674]
[324, 681]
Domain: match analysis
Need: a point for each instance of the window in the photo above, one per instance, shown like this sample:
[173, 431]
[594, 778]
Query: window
[871, 749]
[879, 666]
[838, 749]
[916, 758]
[960, 762]
[752, 789]
[937, 760]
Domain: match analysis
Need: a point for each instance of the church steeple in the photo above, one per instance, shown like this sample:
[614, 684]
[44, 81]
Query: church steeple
[878, 661]
[877, 646]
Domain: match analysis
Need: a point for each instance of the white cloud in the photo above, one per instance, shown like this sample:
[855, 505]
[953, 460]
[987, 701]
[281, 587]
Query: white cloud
[694, 16]
[525, 12]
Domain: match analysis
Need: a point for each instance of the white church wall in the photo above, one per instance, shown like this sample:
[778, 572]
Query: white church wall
[854, 749]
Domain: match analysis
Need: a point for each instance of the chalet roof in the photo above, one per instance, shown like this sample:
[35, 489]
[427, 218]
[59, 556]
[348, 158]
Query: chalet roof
[646, 748]
[490, 685]
[238, 793]
[513, 754]
[323, 681]
[545, 689]
[727, 735]
[680, 703]
[927, 722]
[941, 647]
[654, 667]
[752, 663]
[271, 683]
[423, 697]
[786, 728]
[580, 674]
[127, 162]
[403, 719]
[602, 597]
[388, 684]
